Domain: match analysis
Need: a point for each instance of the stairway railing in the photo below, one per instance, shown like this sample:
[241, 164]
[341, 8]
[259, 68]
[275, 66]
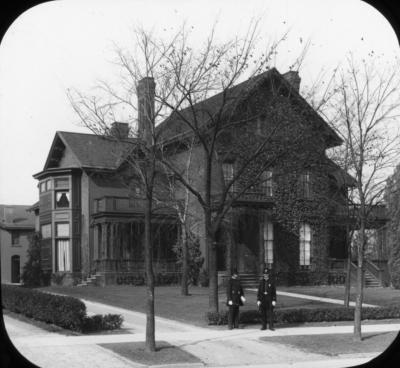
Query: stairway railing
[374, 270]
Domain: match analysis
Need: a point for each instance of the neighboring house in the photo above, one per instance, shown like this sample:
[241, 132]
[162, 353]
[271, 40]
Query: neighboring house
[91, 213]
[17, 224]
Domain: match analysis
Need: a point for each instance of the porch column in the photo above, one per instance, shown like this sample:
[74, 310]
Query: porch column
[261, 250]
[231, 258]
[96, 241]
[104, 236]
[120, 237]
[112, 241]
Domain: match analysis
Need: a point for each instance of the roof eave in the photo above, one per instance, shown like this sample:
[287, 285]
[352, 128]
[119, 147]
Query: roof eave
[56, 170]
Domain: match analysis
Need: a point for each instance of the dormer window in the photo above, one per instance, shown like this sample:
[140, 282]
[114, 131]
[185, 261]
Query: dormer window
[228, 173]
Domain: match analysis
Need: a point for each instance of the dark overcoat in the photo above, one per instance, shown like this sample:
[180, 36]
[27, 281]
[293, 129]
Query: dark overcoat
[266, 293]
[234, 292]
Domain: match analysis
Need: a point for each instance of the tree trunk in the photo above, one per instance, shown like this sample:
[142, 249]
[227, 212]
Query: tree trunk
[229, 248]
[185, 263]
[359, 286]
[213, 275]
[348, 269]
[148, 248]
[211, 246]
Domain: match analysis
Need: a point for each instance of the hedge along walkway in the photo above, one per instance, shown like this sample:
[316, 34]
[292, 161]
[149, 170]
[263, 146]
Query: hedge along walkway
[317, 298]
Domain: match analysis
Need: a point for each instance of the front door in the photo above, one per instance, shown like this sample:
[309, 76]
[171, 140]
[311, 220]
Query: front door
[15, 269]
[248, 243]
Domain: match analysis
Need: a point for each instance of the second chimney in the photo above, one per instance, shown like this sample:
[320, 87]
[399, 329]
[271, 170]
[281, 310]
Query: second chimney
[293, 78]
[119, 130]
[145, 92]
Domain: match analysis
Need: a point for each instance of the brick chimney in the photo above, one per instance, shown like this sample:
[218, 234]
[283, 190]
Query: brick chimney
[145, 92]
[293, 78]
[119, 130]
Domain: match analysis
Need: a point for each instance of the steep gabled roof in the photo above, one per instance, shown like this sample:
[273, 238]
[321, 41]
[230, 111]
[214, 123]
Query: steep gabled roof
[16, 217]
[90, 150]
[174, 127]
[342, 177]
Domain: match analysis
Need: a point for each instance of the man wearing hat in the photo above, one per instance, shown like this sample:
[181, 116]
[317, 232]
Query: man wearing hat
[266, 300]
[235, 298]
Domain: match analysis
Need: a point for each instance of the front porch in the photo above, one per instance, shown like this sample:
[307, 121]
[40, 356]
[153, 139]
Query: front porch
[251, 240]
[117, 250]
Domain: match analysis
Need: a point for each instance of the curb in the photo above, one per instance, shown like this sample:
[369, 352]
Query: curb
[178, 365]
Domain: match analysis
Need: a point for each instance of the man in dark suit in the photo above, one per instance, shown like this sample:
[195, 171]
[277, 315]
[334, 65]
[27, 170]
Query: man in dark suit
[266, 300]
[235, 298]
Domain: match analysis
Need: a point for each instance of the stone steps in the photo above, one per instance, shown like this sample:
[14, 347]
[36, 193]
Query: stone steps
[249, 280]
[90, 281]
[371, 280]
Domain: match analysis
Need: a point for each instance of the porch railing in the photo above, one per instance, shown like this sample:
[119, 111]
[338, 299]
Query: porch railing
[130, 265]
[377, 212]
[127, 205]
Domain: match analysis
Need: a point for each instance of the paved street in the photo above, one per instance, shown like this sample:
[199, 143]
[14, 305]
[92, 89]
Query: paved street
[215, 346]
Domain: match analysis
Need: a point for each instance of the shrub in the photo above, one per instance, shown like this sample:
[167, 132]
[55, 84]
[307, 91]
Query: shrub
[169, 278]
[58, 278]
[302, 315]
[195, 258]
[63, 311]
[135, 280]
[203, 278]
[101, 322]
[32, 274]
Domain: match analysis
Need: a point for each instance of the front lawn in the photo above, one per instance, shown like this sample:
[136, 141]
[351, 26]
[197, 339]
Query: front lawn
[168, 301]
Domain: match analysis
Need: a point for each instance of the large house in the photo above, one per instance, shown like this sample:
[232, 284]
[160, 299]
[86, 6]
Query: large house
[91, 214]
[17, 225]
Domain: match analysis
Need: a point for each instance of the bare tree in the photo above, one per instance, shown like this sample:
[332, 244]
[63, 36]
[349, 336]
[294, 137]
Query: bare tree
[205, 94]
[134, 97]
[180, 202]
[223, 126]
[362, 109]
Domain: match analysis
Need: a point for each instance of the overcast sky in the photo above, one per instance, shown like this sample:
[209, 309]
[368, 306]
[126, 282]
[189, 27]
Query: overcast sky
[68, 43]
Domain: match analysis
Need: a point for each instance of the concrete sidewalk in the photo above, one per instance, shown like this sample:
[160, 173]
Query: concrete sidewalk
[215, 347]
[220, 349]
[316, 298]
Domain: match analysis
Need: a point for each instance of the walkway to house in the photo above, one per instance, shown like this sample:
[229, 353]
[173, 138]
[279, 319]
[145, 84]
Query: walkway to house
[316, 298]
[216, 347]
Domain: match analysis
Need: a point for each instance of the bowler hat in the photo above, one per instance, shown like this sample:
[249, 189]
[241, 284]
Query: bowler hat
[266, 271]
